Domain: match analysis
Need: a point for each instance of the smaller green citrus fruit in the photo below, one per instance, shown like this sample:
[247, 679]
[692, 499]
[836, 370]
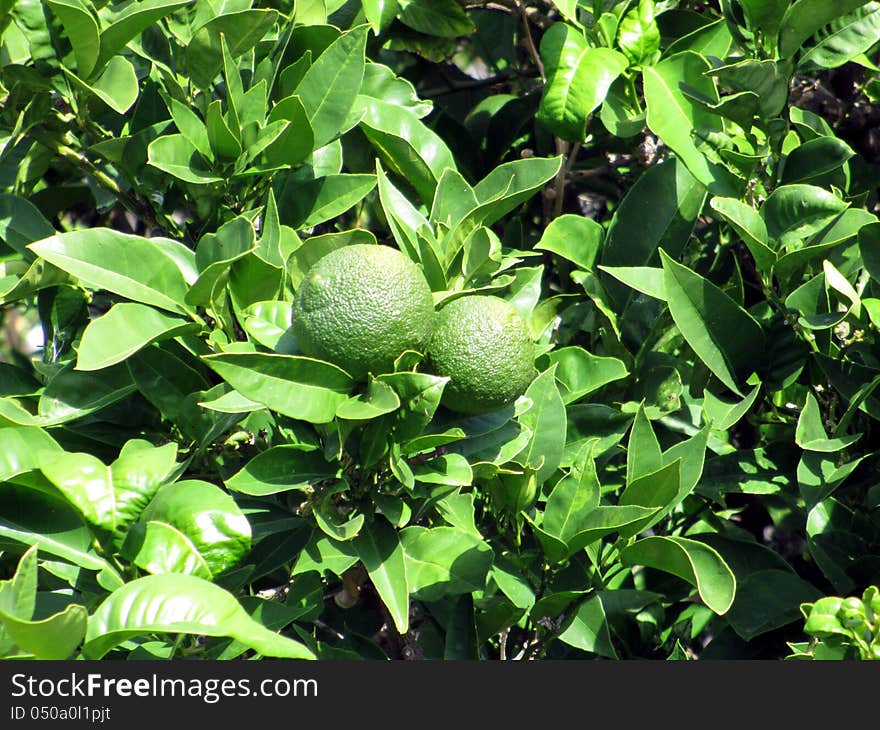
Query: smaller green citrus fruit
[484, 346]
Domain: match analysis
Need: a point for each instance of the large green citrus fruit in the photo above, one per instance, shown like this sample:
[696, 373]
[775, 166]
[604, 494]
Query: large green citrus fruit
[361, 306]
[484, 346]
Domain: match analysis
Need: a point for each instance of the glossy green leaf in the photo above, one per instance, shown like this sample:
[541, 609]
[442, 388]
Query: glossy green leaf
[329, 88]
[132, 21]
[679, 121]
[279, 469]
[241, 29]
[578, 78]
[588, 629]
[546, 421]
[659, 211]
[723, 335]
[179, 157]
[20, 449]
[443, 18]
[580, 373]
[381, 552]
[816, 157]
[805, 17]
[444, 561]
[657, 490]
[749, 226]
[306, 204]
[180, 604]
[81, 26]
[72, 394]
[406, 145]
[575, 238]
[638, 35]
[692, 561]
[810, 434]
[130, 266]
[299, 387]
[117, 86]
[208, 517]
[122, 331]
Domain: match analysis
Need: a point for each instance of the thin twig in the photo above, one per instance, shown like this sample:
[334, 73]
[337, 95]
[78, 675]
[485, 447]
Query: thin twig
[562, 179]
[530, 41]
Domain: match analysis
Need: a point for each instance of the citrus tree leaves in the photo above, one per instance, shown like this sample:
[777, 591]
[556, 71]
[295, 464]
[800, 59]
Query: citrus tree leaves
[578, 78]
[720, 332]
[180, 604]
[298, 387]
[692, 561]
[688, 128]
[130, 266]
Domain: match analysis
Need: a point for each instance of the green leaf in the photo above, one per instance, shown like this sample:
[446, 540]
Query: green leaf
[767, 600]
[268, 323]
[724, 415]
[179, 157]
[298, 387]
[547, 423]
[406, 145]
[378, 400]
[449, 469]
[659, 211]
[638, 35]
[241, 30]
[81, 26]
[20, 449]
[130, 266]
[111, 497]
[157, 547]
[580, 373]
[21, 223]
[48, 522]
[575, 238]
[225, 143]
[692, 561]
[588, 629]
[816, 157]
[750, 227]
[208, 517]
[810, 434]
[72, 394]
[570, 503]
[723, 335]
[444, 561]
[805, 17]
[679, 121]
[55, 637]
[643, 453]
[846, 38]
[117, 86]
[130, 23]
[306, 204]
[794, 212]
[380, 13]
[657, 490]
[578, 79]
[279, 469]
[381, 552]
[324, 554]
[382, 84]
[330, 86]
[124, 330]
[442, 18]
[297, 141]
[180, 604]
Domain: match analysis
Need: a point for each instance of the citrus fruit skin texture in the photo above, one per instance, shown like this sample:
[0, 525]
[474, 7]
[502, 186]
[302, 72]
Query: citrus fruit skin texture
[484, 346]
[361, 306]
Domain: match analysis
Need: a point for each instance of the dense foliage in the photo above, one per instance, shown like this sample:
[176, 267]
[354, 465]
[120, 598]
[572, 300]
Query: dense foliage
[678, 197]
